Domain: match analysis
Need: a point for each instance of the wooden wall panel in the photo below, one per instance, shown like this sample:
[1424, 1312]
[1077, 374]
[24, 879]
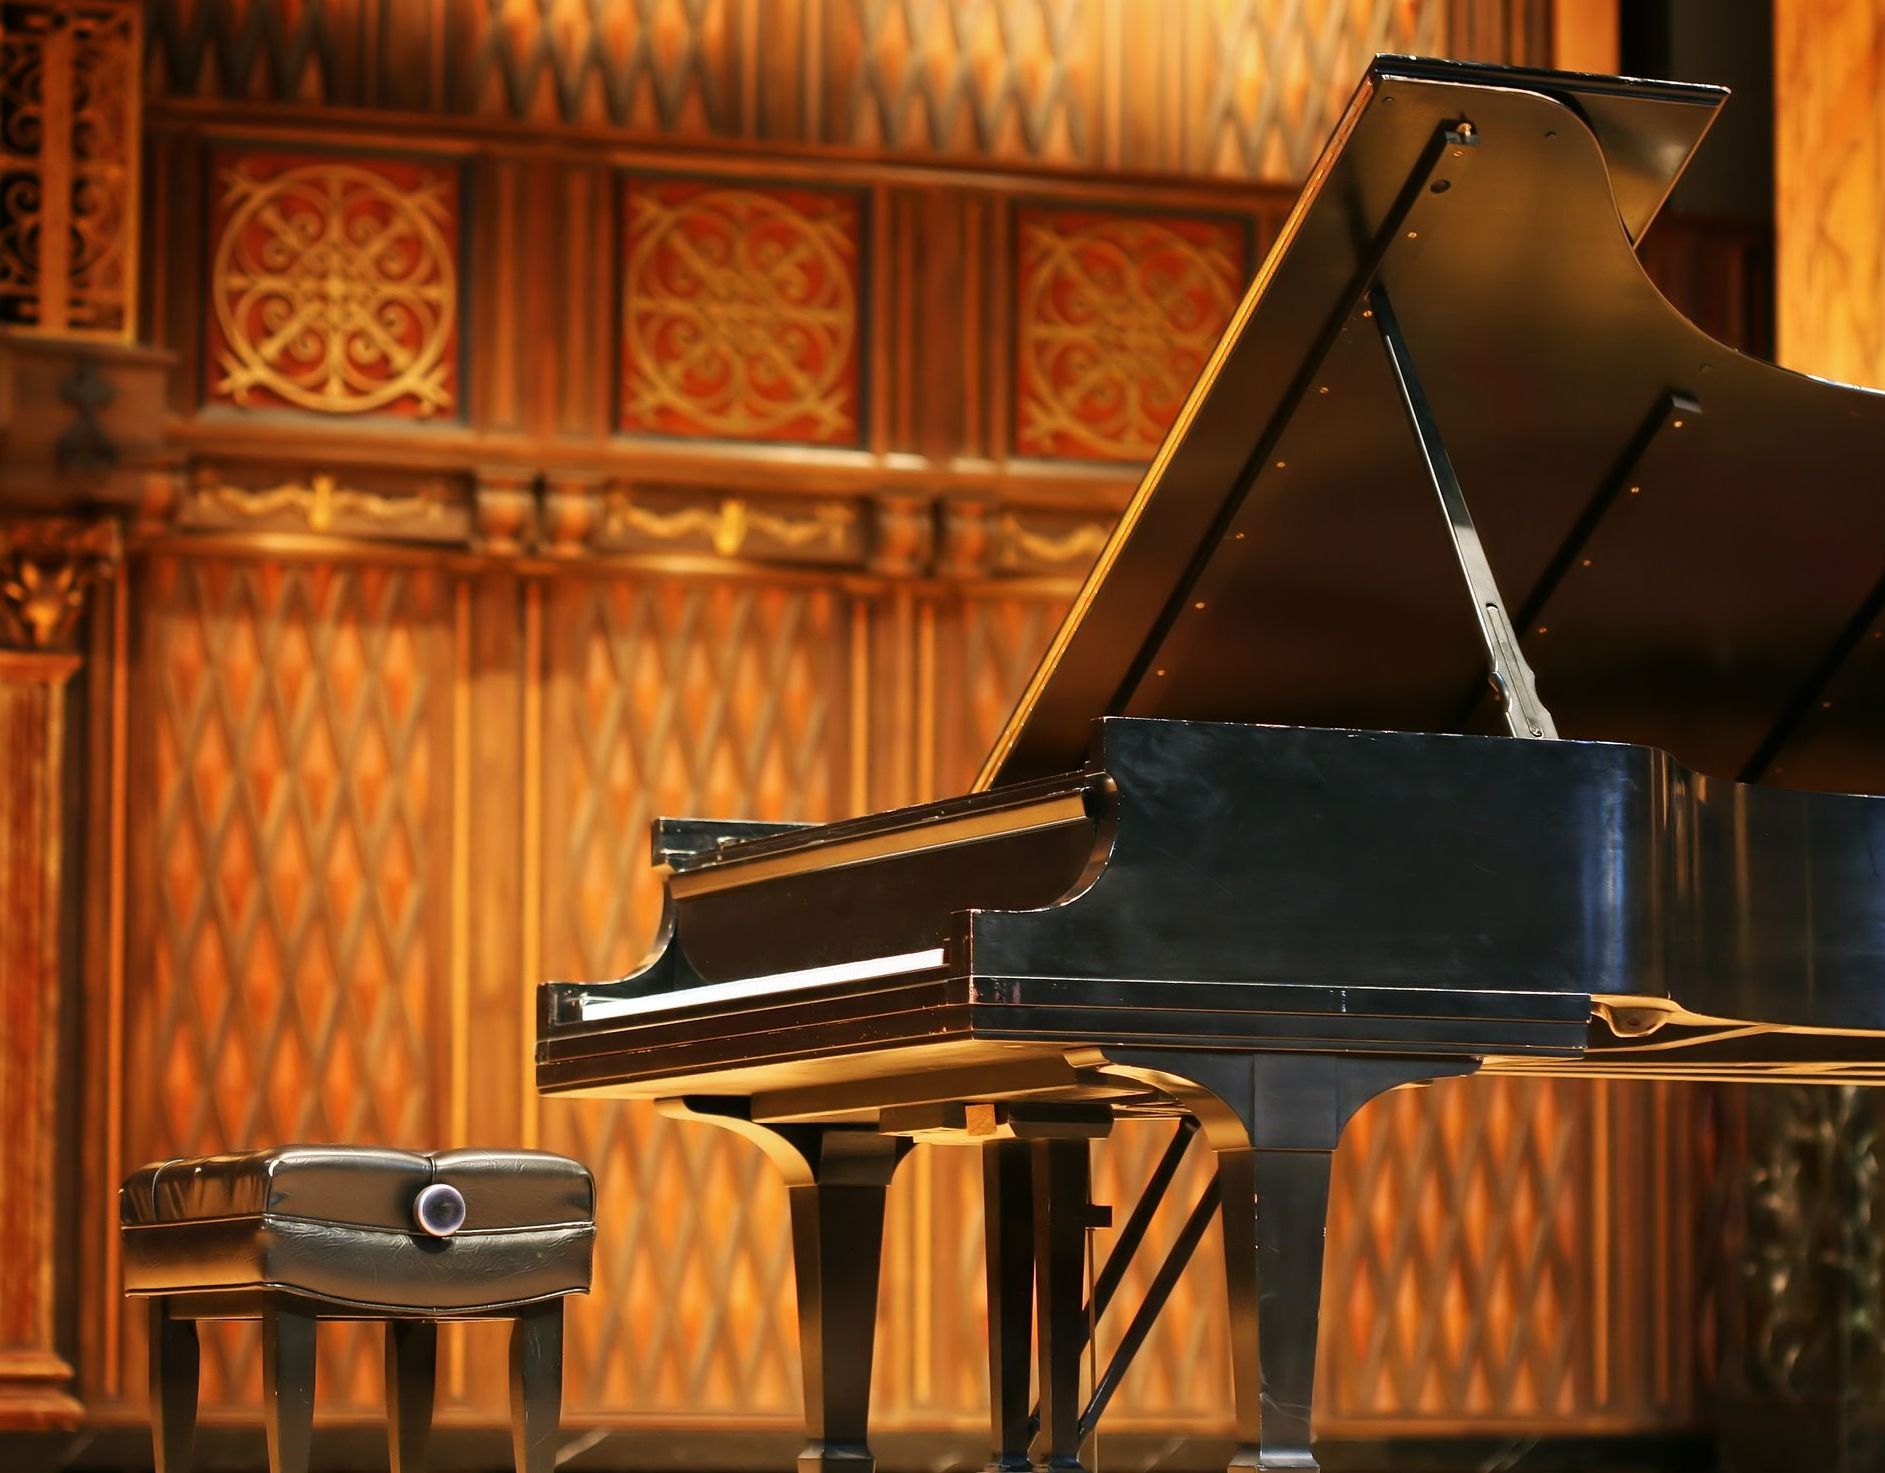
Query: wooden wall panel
[1829, 182]
[1235, 88]
[290, 832]
[678, 695]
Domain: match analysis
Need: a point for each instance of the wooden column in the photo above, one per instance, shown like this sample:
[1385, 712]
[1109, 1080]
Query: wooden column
[1829, 177]
[45, 567]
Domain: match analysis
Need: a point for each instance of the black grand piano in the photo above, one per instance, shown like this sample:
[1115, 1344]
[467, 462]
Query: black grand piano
[1284, 820]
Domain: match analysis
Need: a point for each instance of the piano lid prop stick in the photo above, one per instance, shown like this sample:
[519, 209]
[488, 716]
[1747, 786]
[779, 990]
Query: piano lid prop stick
[1512, 680]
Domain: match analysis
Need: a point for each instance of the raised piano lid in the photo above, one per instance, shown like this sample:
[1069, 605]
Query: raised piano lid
[1692, 540]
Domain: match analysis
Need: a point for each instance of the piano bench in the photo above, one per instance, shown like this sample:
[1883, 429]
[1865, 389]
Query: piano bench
[299, 1234]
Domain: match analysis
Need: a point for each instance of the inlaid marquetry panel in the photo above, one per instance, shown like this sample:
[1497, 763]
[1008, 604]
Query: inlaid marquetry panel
[672, 696]
[740, 312]
[1114, 317]
[290, 956]
[333, 284]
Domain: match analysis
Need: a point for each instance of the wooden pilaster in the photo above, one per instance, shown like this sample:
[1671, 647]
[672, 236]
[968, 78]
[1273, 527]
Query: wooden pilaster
[33, 1374]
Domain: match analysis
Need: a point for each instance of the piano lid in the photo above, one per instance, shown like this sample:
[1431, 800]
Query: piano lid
[1691, 542]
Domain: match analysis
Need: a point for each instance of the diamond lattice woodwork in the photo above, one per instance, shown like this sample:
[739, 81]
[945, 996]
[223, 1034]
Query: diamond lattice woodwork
[1243, 88]
[291, 944]
[1457, 1276]
[1271, 91]
[678, 697]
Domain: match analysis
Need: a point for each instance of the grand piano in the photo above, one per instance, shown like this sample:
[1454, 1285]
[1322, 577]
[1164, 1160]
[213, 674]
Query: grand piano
[1285, 818]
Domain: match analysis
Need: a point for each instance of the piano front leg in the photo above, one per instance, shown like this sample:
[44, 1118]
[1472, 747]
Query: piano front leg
[1275, 1208]
[1274, 1121]
[836, 1179]
[1008, 1225]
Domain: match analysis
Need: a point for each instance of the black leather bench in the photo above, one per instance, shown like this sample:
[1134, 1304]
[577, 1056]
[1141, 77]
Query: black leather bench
[304, 1233]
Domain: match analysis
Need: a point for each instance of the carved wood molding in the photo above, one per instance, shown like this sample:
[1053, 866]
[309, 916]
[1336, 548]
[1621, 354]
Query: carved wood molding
[507, 514]
[47, 565]
[426, 508]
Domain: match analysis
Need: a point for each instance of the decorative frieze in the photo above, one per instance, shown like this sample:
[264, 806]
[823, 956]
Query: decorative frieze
[1048, 542]
[428, 509]
[778, 529]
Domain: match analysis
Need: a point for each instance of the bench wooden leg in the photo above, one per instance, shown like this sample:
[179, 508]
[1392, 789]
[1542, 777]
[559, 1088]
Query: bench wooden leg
[411, 1380]
[287, 1386]
[537, 1386]
[173, 1365]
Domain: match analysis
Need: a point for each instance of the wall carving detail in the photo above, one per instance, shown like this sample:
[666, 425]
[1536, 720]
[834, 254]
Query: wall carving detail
[69, 127]
[822, 530]
[334, 286]
[1062, 544]
[46, 566]
[320, 503]
[740, 313]
[1116, 315]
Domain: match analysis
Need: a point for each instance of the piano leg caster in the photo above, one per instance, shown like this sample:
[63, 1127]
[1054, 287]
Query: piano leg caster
[1274, 1121]
[836, 1177]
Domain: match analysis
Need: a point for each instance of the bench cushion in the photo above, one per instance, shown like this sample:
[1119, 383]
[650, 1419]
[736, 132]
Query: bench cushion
[336, 1223]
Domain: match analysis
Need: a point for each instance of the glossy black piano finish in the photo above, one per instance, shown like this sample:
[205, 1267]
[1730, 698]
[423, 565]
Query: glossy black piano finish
[1213, 885]
[1247, 854]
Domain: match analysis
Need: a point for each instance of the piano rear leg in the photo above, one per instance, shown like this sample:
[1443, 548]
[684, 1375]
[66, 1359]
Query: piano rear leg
[1063, 1210]
[1274, 1121]
[836, 1180]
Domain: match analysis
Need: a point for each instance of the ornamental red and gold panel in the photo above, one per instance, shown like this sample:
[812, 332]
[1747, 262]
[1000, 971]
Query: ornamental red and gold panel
[334, 284]
[740, 312]
[1115, 316]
